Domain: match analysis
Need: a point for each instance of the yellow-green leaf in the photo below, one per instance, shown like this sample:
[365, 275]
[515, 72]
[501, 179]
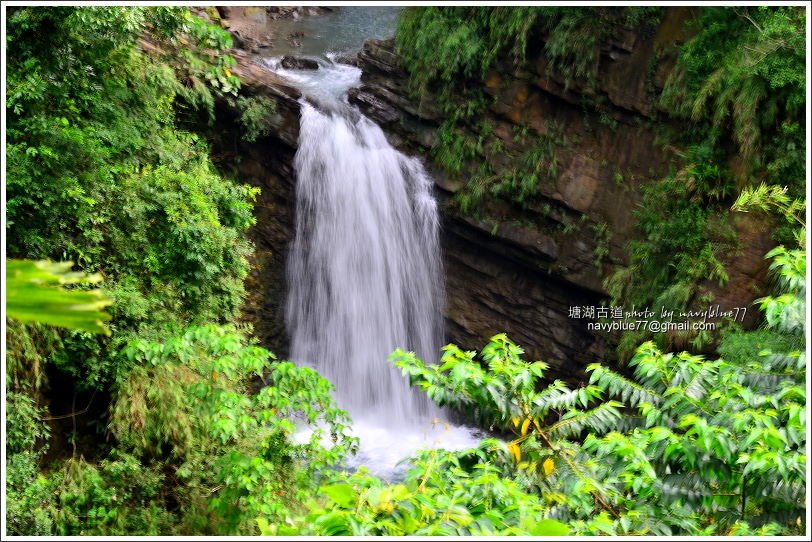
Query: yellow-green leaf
[34, 293]
[549, 527]
[341, 494]
[515, 451]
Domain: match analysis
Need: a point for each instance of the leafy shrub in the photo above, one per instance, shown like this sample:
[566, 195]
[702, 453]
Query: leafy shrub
[257, 114]
[120, 496]
[185, 231]
[439, 497]
[188, 403]
[26, 442]
[685, 445]
[99, 173]
[29, 505]
[24, 428]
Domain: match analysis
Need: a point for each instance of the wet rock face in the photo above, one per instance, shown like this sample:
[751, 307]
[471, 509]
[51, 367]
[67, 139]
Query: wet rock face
[517, 270]
[299, 63]
[493, 287]
[346, 58]
[520, 269]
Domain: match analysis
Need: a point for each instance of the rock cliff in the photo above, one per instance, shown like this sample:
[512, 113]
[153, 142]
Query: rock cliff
[511, 269]
[519, 268]
[266, 163]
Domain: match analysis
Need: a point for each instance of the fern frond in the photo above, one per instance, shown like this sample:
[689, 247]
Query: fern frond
[600, 419]
[628, 391]
[557, 396]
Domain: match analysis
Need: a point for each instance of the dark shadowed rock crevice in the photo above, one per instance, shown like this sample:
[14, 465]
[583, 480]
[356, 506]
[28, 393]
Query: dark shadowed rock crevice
[266, 163]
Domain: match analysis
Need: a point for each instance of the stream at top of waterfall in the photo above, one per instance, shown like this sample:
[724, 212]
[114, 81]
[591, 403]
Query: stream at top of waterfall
[364, 272]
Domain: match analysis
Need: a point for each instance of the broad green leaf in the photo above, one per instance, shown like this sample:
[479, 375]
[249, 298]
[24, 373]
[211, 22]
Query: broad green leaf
[34, 293]
[341, 494]
[549, 527]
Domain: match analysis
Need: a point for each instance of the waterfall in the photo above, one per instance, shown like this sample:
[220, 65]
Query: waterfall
[364, 270]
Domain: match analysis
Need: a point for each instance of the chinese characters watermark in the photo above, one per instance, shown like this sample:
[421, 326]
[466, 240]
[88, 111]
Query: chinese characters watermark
[617, 318]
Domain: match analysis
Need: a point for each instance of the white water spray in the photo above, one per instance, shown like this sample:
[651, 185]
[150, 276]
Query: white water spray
[364, 272]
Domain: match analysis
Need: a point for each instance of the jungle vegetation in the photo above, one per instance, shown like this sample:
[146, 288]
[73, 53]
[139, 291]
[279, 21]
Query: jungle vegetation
[127, 252]
[736, 92]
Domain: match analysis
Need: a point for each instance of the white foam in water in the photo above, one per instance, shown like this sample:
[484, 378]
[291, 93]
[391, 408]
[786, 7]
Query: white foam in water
[384, 449]
[364, 271]
[329, 83]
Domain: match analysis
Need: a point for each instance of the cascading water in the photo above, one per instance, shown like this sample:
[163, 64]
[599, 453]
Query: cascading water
[364, 271]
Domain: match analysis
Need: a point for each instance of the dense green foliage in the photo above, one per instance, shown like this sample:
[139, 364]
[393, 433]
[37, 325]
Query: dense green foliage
[736, 95]
[98, 173]
[203, 432]
[197, 450]
[444, 47]
[441, 496]
[26, 444]
[743, 72]
[686, 445]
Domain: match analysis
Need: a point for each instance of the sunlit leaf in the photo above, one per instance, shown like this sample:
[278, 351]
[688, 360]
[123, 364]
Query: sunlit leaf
[549, 527]
[34, 293]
